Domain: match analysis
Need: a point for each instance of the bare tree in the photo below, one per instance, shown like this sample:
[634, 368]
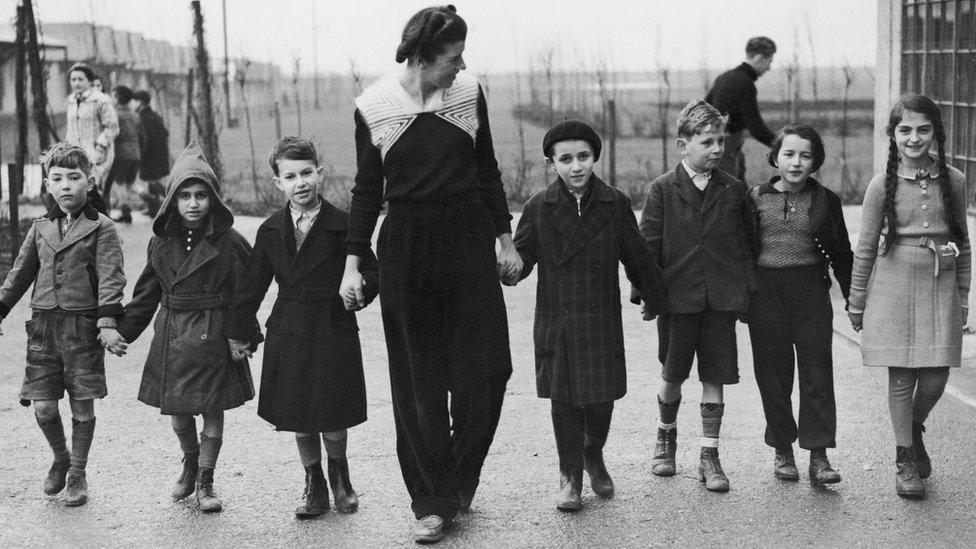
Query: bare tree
[813, 52]
[294, 84]
[546, 58]
[242, 66]
[357, 76]
[208, 131]
[846, 185]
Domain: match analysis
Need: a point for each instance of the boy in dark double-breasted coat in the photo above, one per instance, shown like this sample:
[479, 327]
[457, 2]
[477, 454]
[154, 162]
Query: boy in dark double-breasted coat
[312, 379]
[579, 230]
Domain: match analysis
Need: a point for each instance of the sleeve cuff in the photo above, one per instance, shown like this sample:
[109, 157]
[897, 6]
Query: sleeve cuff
[356, 248]
[503, 225]
[107, 322]
[4, 309]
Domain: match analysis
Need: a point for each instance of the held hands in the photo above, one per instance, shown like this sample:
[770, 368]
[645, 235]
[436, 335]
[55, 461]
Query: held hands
[112, 340]
[351, 290]
[857, 321]
[239, 350]
[508, 261]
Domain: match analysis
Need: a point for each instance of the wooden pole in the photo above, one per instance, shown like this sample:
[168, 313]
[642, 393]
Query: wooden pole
[20, 160]
[298, 100]
[315, 60]
[231, 120]
[208, 133]
[188, 117]
[277, 119]
[612, 143]
[45, 130]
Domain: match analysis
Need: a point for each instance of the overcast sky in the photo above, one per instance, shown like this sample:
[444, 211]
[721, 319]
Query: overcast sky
[505, 35]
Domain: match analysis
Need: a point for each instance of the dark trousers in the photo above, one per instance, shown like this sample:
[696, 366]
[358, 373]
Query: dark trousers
[442, 445]
[792, 310]
[579, 430]
[733, 160]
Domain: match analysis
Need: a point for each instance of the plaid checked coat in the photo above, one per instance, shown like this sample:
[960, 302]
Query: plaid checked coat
[579, 340]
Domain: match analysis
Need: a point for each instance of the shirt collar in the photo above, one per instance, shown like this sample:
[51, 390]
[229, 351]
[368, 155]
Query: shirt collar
[750, 72]
[931, 172]
[697, 177]
[312, 214]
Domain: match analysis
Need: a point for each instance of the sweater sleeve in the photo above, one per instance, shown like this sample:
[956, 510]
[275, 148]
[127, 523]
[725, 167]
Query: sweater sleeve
[367, 193]
[492, 188]
[751, 118]
[652, 221]
[22, 274]
[525, 237]
[111, 274]
[866, 252]
[249, 292]
[643, 272]
[145, 299]
[964, 261]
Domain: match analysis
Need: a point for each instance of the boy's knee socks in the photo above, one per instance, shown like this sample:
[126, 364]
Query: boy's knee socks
[209, 450]
[187, 436]
[668, 412]
[335, 449]
[309, 448]
[711, 413]
[53, 431]
[81, 439]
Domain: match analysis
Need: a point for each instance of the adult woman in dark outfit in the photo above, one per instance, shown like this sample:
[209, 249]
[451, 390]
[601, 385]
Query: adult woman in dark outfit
[425, 132]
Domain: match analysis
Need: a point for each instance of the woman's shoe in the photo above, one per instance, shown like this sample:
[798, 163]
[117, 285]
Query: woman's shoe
[346, 500]
[570, 488]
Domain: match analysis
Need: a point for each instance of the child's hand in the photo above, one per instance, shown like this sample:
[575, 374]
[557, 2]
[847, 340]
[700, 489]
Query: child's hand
[857, 321]
[113, 341]
[512, 277]
[645, 313]
[352, 290]
[239, 350]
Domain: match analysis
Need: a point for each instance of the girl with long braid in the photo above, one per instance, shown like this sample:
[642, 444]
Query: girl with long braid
[910, 282]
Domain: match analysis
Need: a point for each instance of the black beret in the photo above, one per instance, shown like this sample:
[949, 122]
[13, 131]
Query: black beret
[572, 129]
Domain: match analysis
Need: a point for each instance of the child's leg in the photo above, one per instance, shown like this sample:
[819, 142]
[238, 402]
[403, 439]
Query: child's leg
[568, 426]
[185, 428]
[931, 384]
[316, 489]
[901, 391]
[49, 420]
[346, 500]
[596, 419]
[209, 451]
[712, 410]
[213, 424]
[82, 432]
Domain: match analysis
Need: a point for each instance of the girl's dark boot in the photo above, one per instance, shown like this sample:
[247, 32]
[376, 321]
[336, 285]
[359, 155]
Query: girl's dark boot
[568, 426]
[206, 497]
[908, 484]
[346, 500]
[185, 485]
[922, 461]
[597, 422]
[316, 493]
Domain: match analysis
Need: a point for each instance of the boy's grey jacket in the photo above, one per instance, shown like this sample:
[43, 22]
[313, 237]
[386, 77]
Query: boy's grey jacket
[579, 340]
[80, 272]
[702, 245]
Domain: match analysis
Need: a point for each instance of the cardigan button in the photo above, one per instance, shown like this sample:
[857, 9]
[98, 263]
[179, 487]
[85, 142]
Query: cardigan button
[925, 207]
[925, 224]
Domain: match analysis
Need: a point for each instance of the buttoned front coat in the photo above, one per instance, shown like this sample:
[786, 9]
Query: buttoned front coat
[312, 377]
[579, 341]
[703, 245]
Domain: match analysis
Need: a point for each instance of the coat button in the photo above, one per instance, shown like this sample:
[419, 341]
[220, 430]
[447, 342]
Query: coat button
[206, 288]
[596, 269]
[925, 207]
[204, 336]
[925, 224]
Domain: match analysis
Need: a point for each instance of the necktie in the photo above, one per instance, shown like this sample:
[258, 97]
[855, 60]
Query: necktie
[301, 230]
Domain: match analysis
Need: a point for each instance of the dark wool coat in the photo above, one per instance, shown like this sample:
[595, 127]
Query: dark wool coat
[702, 244]
[579, 340]
[312, 378]
[189, 369]
[826, 224]
[154, 146]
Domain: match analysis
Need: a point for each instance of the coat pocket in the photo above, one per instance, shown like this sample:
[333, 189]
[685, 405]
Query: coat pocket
[92, 280]
[35, 335]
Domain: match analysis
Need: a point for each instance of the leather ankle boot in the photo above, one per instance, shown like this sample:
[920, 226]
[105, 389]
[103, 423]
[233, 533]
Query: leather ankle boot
[710, 471]
[600, 480]
[77, 493]
[922, 461]
[346, 500]
[663, 464]
[56, 476]
[784, 465]
[188, 477]
[908, 484]
[820, 470]
[206, 497]
[570, 488]
[316, 493]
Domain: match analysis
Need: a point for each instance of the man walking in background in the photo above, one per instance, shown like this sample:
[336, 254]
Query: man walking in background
[734, 95]
[155, 153]
[126, 165]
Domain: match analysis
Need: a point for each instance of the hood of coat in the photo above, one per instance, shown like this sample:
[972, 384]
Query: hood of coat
[191, 164]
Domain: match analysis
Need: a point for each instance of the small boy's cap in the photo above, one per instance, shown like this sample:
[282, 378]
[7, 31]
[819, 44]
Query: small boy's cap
[572, 129]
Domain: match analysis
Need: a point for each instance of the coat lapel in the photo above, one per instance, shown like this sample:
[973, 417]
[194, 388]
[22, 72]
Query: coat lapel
[558, 212]
[81, 228]
[200, 255]
[713, 192]
[314, 251]
[596, 213]
[686, 189]
[50, 233]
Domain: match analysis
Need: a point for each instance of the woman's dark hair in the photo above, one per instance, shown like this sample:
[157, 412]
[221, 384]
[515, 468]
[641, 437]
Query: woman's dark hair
[123, 94]
[803, 132]
[84, 69]
[927, 108]
[429, 30]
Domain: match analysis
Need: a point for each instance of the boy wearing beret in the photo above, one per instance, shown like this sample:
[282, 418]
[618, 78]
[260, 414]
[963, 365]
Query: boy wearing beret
[578, 230]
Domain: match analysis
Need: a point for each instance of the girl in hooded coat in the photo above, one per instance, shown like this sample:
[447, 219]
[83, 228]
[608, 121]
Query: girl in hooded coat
[193, 265]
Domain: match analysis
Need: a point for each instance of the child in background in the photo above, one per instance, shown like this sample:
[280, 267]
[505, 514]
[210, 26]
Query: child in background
[911, 295]
[579, 230]
[73, 258]
[194, 263]
[696, 224]
[312, 380]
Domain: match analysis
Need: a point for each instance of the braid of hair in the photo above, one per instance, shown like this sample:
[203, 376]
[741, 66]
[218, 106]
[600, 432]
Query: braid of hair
[947, 199]
[891, 185]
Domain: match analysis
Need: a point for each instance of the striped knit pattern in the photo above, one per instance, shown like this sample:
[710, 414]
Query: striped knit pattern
[389, 111]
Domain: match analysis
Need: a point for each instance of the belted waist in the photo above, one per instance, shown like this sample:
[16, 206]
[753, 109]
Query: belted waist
[304, 293]
[195, 303]
[920, 241]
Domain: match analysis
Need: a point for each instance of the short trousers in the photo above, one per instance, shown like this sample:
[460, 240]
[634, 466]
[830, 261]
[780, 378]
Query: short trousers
[63, 354]
[710, 335]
